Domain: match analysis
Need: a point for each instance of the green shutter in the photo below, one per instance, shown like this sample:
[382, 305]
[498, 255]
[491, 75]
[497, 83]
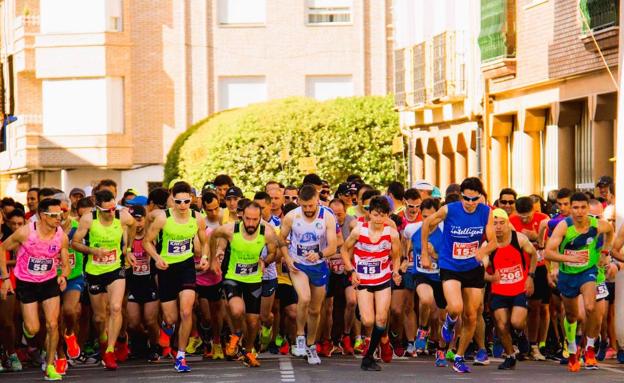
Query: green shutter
[492, 36]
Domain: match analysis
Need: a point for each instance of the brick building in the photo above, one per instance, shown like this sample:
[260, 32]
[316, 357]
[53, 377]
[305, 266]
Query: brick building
[101, 88]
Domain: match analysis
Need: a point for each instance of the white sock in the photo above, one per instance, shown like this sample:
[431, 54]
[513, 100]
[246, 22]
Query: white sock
[590, 342]
[572, 347]
[181, 355]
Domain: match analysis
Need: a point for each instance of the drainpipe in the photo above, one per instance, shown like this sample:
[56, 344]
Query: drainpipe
[410, 151]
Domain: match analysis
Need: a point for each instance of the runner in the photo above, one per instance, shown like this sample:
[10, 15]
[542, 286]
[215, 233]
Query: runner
[466, 225]
[512, 278]
[574, 244]
[507, 200]
[41, 246]
[242, 282]
[175, 229]
[376, 251]
[311, 230]
[232, 196]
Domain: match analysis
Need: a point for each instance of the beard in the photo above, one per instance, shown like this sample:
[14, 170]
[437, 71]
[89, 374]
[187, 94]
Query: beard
[309, 214]
[251, 229]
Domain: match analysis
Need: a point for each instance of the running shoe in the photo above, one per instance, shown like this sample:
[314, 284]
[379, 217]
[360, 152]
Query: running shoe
[459, 365]
[620, 356]
[61, 366]
[284, 348]
[232, 347]
[481, 359]
[448, 330]
[265, 337]
[194, 343]
[450, 355]
[312, 355]
[411, 350]
[497, 349]
[590, 359]
[347, 347]
[508, 364]
[574, 365]
[536, 354]
[422, 336]
[324, 348]
[109, 361]
[386, 350]
[51, 374]
[14, 363]
[250, 360]
[369, 364]
[300, 347]
[181, 366]
[440, 359]
[602, 351]
[73, 349]
[358, 347]
[121, 351]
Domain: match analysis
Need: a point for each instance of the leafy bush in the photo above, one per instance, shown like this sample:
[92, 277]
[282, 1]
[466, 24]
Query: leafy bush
[344, 136]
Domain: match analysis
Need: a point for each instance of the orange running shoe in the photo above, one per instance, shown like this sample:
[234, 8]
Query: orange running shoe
[590, 359]
[574, 365]
[232, 347]
[250, 360]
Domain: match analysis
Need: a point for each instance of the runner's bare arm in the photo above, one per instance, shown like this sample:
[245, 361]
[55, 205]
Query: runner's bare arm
[527, 246]
[65, 268]
[541, 233]
[618, 244]
[551, 252]
[271, 244]
[346, 251]
[152, 233]
[396, 251]
[83, 227]
[218, 242]
[330, 227]
[431, 222]
[11, 244]
[605, 227]
[490, 234]
[285, 227]
[129, 224]
[204, 263]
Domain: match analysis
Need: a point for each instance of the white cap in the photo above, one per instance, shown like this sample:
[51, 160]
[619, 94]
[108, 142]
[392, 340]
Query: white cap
[422, 185]
[88, 190]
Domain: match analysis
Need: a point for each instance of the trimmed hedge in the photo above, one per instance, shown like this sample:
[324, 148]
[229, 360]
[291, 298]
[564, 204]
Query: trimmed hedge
[345, 136]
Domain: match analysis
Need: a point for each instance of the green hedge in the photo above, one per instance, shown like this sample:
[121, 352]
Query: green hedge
[346, 135]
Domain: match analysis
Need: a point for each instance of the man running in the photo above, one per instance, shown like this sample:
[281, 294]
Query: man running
[512, 281]
[311, 230]
[39, 246]
[175, 228]
[574, 244]
[466, 224]
[376, 249]
[242, 282]
[107, 228]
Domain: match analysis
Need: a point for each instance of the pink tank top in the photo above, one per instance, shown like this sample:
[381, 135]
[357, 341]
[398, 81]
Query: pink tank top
[206, 278]
[37, 259]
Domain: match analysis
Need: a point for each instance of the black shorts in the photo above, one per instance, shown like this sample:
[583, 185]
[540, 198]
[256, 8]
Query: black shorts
[250, 292]
[337, 283]
[178, 276]
[97, 284]
[287, 295]
[508, 302]
[372, 289]
[268, 287]
[31, 292]
[541, 289]
[400, 286]
[142, 289]
[438, 292]
[212, 293]
[470, 279]
[611, 288]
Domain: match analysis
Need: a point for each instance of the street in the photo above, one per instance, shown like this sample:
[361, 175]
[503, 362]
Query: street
[336, 369]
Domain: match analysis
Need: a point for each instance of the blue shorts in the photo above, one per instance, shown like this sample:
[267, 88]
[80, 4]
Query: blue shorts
[317, 274]
[570, 284]
[408, 281]
[76, 284]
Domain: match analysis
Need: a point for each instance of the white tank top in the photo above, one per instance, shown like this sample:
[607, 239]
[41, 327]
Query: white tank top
[307, 236]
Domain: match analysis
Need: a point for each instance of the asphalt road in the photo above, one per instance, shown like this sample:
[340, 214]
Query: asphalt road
[336, 369]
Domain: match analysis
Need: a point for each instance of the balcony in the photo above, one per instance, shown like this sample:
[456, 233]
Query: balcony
[421, 75]
[399, 78]
[497, 39]
[449, 67]
[601, 18]
[25, 29]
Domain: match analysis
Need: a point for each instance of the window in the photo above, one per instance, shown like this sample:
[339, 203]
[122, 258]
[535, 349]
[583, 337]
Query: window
[399, 77]
[329, 11]
[242, 11]
[599, 14]
[419, 62]
[328, 87]
[497, 38]
[83, 107]
[235, 92]
[79, 16]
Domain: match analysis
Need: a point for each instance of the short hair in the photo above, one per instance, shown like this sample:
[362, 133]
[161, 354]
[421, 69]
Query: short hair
[46, 203]
[103, 196]
[472, 183]
[107, 182]
[353, 178]
[370, 194]
[158, 197]
[592, 202]
[223, 179]
[33, 189]
[307, 192]
[450, 199]
[181, 187]
[242, 204]
[61, 197]
[508, 191]
[364, 186]
[429, 203]
[338, 201]
[291, 187]
[579, 197]
[273, 182]
[379, 204]
[16, 213]
[396, 189]
[313, 179]
[290, 206]
[85, 202]
[524, 205]
[208, 196]
[411, 194]
[564, 193]
[262, 196]
[46, 192]
[252, 205]
[7, 201]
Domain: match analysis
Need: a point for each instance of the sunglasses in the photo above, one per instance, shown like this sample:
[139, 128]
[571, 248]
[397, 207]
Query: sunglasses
[324, 192]
[506, 202]
[109, 210]
[53, 214]
[470, 199]
[413, 206]
[366, 207]
[185, 201]
[288, 198]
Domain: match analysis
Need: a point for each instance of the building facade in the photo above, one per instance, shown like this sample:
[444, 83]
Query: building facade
[438, 87]
[102, 88]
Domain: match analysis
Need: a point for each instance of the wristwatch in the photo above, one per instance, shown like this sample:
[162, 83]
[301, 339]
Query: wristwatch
[532, 275]
[349, 272]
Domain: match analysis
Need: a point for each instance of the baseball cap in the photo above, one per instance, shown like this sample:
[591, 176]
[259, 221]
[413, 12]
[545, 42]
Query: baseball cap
[137, 211]
[354, 186]
[75, 191]
[139, 200]
[234, 191]
[500, 213]
[435, 193]
[423, 185]
[604, 181]
[343, 189]
[132, 191]
[174, 181]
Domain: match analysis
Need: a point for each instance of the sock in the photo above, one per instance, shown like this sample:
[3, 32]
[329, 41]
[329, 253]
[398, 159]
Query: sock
[26, 333]
[450, 321]
[110, 349]
[181, 355]
[542, 344]
[590, 342]
[103, 338]
[266, 331]
[375, 339]
[359, 337]
[570, 330]
[424, 328]
[238, 333]
[533, 344]
[168, 329]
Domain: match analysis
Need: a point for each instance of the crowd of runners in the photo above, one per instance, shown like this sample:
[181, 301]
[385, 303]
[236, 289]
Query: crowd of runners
[92, 276]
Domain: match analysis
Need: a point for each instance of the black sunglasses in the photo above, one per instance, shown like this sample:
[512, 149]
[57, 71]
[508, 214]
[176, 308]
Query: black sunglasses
[470, 199]
[506, 202]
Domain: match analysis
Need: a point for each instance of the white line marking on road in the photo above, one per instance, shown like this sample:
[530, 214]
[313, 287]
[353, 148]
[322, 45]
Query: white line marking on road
[287, 371]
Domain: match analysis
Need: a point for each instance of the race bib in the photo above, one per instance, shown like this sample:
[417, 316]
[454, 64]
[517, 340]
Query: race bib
[141, 266]
[303, 250]
[336, 265]
[421, 269]
[463, 250]
[72, 260]
[180, 247]
[602, 291]
[368, 267]
[40, 266]
[107, 259]
[568, 252]
[245, 269]
[510, 275]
